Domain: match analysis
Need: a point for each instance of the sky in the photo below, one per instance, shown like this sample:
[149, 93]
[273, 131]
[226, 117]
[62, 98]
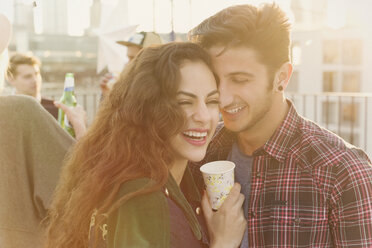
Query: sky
[155, 15]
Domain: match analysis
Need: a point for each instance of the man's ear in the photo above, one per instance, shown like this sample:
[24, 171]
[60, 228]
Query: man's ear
[282, 76]
[11, 80]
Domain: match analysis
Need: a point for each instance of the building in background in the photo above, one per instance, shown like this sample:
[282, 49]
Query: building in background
[54, 16]
[331, 49]
[332, 57]
[50, 42]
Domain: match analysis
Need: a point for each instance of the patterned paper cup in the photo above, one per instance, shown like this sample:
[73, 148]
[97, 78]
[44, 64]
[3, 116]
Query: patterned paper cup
[219, 179]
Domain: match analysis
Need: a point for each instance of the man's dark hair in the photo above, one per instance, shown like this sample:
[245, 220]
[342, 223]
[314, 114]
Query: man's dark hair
[265, 29]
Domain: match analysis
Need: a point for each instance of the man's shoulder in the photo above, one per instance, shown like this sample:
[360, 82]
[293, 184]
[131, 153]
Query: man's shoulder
[315, 145]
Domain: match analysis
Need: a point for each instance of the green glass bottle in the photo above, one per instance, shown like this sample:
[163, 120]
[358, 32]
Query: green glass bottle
[68, 98]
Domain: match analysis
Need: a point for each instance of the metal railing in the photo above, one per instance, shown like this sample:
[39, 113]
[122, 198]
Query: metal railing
[346, 114]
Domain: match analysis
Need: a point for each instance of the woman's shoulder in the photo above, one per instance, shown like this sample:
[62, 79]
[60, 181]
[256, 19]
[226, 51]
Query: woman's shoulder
[155, 200]
[147, 215]
[134, 185]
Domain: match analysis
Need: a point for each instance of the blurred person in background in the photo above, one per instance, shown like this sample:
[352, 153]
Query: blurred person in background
[304, 186]
[32, 148]
[126, 183]
[134, 44]
[24, 75]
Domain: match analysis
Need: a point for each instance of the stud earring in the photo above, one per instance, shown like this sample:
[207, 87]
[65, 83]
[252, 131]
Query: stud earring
[280, 88]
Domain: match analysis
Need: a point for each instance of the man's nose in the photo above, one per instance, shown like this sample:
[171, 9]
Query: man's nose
[226, 94]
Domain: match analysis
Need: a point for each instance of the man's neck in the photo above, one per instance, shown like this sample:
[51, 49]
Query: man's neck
[252, 139]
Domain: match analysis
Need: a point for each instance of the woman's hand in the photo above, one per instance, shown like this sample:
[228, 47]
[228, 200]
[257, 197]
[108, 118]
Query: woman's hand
[227, 225]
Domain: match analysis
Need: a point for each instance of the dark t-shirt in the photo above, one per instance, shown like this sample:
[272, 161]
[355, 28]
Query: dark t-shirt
[50, 107]
[243, 173]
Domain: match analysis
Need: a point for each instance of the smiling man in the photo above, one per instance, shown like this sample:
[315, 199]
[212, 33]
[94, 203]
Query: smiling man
[304, 186]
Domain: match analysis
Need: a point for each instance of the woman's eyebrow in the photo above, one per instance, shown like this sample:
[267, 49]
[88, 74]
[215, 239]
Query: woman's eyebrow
[186, 93]
[194, 96]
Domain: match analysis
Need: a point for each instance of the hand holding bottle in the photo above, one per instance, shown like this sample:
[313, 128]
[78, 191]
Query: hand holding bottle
[68, 98]
[77, 117]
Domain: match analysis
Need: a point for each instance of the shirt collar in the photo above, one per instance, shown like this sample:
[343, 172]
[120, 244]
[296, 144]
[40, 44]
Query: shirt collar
[277, 146]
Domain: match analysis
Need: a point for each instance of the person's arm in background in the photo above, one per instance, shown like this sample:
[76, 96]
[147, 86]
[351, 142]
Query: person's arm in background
[227, 225]
[77, 116]
[32, 150]
[44, 145]
[104, 84]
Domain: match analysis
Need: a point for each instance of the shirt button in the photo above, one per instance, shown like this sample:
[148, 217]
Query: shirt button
[253, 214]
[297, 221]
[258, 174]
[197, 210]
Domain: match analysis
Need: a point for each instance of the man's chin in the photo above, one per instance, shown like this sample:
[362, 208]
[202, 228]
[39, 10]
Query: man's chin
[234, 127]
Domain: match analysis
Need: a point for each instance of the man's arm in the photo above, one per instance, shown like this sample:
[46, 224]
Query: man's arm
[351, 204]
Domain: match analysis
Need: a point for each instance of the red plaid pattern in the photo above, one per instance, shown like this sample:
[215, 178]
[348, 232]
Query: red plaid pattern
[309, 187]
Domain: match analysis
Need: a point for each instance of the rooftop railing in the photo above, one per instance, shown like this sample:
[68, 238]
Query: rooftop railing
[346, 114]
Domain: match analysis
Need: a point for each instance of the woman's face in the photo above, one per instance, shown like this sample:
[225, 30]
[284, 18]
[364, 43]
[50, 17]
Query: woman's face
[199, 98]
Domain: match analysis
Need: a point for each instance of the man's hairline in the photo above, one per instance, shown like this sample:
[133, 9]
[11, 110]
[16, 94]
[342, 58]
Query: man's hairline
[15, 74]
[226, 46]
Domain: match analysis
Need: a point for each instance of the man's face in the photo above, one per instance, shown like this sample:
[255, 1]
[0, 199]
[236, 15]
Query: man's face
[27, 80]
[132, 52]
[245, 93]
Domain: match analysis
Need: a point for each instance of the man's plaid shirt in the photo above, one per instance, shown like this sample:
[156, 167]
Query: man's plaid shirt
[309, 187]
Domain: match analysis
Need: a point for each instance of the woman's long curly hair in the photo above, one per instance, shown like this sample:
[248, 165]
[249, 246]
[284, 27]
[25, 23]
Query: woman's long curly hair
[128, 139]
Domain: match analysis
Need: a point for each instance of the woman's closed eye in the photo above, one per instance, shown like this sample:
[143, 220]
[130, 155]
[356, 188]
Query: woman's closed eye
[183, 102]
[213, 102]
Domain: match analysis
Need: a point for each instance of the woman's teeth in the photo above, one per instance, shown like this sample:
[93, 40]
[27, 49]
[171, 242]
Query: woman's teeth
[195, 135]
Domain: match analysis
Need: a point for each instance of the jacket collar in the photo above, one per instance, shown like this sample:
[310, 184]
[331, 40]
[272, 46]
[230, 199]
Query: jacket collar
[184, 195]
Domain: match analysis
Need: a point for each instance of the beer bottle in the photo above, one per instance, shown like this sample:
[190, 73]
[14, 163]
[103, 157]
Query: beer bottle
[68, 98]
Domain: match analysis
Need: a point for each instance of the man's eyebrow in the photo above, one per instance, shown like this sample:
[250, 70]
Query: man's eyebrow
[194, 96]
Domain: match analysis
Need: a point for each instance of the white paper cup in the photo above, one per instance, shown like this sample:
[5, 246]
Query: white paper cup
[219, 179]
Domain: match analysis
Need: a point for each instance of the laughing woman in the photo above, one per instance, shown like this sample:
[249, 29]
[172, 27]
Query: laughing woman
[126, 183]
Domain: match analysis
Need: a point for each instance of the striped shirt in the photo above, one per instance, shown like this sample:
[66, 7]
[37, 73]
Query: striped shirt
[309, 188]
